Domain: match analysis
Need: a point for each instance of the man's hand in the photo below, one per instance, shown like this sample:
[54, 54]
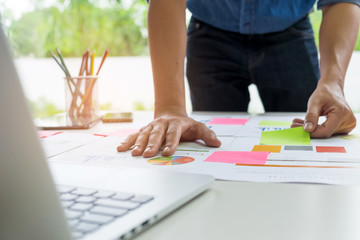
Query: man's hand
[338, 33]
[168, 129]
[329, 101]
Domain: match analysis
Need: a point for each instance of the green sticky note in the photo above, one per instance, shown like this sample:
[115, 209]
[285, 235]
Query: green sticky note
[291, 136]
[266, 123]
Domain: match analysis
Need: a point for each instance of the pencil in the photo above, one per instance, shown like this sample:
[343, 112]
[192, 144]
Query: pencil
[66, 73]
[106, 53]
[92, 82]
[62, 61]
[57, 61]
[77, 92]
[92, 63]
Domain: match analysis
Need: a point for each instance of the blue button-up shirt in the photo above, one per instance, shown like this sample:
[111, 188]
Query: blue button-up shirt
[254, 16]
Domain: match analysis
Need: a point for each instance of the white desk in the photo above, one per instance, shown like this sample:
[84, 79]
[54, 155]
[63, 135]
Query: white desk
[260, 211]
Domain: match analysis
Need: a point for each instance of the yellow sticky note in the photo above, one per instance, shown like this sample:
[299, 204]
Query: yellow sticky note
[267, 148]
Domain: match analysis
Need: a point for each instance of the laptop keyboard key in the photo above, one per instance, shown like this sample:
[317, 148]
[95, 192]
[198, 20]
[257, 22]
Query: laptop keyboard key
[81, 207]
[86, 227]
[96, 218]
[85, 199]
[77, 235]
[123, 196]
[67, 197]
[72, 214]
[64, 189]
[66, 204]
[141, 199]
[84, 192]
[73, 222]
[115, 212]
[117, 204]
[103, 194]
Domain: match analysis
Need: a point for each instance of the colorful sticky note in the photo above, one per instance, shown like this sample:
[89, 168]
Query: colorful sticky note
[118, 133]
[45, 134]
[298, 148]
[330, 149]
[291, 136]
[258, 158]
[266, 123]
[228, 121]
[267, 148]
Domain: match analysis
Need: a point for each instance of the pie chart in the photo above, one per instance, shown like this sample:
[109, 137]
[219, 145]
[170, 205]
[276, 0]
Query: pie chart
[171, 160]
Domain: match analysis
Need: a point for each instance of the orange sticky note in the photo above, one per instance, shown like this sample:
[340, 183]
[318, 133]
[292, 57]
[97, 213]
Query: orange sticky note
[330, 149]
[267, 148]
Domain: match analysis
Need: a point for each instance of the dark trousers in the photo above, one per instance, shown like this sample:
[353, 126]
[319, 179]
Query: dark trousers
[221, 65]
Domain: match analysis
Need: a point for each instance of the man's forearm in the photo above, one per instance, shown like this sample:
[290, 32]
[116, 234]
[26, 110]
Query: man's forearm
[167, 42]
[338, 33]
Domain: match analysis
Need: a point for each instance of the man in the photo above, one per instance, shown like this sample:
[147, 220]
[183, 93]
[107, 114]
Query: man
[233, 43]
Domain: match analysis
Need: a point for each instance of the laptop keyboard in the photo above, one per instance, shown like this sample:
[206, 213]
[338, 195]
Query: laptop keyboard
[88, 209]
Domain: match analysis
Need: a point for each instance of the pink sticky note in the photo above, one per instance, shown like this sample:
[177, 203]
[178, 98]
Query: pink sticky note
[118, 133]
[45, 134]
[228, 121]
[258, 158]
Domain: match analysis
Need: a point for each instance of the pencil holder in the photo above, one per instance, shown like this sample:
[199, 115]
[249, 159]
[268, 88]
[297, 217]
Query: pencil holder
[82, 102]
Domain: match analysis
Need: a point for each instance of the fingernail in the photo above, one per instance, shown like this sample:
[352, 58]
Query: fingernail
[308, 126]
[136, 148]
[147, 149]
[166, 149]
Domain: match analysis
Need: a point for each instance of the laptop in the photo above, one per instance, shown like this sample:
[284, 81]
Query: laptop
[41, 200]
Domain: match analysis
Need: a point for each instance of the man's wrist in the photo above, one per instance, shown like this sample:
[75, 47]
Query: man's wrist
[170, 110]
[332, 78]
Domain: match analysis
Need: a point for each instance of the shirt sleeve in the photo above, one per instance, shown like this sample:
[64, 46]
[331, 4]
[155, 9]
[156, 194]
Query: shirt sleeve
[322, 3]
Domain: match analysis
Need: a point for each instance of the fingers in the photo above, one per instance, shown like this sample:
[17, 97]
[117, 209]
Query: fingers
[141, 141]
[149, 139]
[156, 138]
[128, 142]
[329, 127]
[209, 137]
[297, 122]
[311, 117]
[172, 140]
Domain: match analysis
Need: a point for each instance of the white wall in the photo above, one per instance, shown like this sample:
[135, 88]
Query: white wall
[126, 80]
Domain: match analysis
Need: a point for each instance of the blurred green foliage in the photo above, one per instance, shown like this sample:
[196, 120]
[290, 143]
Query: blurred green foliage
[75, 25]
[43, 108]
